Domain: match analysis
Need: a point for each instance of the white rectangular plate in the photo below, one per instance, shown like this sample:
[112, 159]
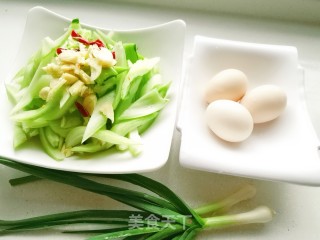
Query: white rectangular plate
[152, 42]
[285, 149]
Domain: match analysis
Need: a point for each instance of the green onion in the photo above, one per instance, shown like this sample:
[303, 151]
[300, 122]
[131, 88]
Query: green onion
[246, 192]
[161, 215]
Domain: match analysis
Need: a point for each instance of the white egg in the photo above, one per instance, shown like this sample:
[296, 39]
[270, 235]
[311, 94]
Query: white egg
[229, 120]
[265, 103]
[228, 84]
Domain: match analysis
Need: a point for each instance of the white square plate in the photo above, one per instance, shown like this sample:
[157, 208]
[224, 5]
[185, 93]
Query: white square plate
[157, 41]
[285, 149]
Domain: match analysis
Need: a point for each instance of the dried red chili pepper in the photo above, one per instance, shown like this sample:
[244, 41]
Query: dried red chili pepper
[79, 38]
[74, 34]
[98, 42]
[82, 110]
[113, 54]
[59, 50]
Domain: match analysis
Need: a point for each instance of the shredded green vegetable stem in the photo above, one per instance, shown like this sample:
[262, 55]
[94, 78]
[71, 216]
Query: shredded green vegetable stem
[171, 217]
[92, 81]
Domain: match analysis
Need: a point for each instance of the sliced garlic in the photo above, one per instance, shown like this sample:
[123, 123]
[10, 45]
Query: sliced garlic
[54, 82]
[69, 56]
[44, 92]
[95, 68]
[70, 78]
[53, 69]
[89, 102]
[68, 67]
[104, 57]
[76, 88]
[85, 91]
[84, 77]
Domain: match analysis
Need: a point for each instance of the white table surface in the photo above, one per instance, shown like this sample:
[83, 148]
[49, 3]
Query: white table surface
[297, 207]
